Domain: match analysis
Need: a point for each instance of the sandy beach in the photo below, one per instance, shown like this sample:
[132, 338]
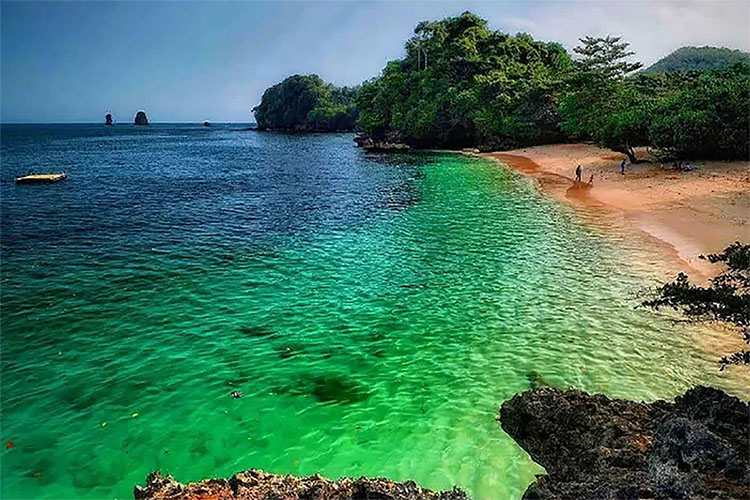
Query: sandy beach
[696, 212]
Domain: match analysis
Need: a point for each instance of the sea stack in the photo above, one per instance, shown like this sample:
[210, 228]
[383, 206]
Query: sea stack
[108, 119]
[141, 118]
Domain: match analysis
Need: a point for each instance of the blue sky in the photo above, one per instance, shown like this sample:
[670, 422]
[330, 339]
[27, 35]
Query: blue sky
[190, 61]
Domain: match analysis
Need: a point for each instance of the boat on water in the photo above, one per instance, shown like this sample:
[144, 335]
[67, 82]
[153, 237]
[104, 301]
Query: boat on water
[41, 178]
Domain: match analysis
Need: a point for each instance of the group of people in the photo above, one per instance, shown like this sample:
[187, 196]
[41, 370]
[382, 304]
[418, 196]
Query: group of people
[579, 172]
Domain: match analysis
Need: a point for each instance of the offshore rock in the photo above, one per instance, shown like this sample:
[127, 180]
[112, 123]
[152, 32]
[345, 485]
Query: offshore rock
[594, 447]
[258, 485]
[108, 119]
[141, 118]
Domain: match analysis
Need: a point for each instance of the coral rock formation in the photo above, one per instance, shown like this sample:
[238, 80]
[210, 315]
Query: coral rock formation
[259, 485]
[594, 447]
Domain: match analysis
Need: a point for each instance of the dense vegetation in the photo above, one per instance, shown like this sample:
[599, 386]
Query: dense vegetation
[698, 59]
[462, 84]
[307, 103]
[725, 300]
[692, 114]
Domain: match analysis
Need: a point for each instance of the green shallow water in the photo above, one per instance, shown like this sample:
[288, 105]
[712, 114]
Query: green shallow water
[369, 339]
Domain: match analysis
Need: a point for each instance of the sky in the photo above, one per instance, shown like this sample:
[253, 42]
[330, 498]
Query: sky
[68, 61]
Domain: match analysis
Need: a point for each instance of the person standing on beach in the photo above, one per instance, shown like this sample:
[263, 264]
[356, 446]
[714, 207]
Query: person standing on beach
[622, 167]
[578, 173]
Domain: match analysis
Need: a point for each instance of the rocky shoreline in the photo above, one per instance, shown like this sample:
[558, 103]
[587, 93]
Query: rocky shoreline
[259, 485]
[591, 446]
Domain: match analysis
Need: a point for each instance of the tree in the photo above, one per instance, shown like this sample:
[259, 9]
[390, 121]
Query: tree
[463, 84]
[605, 57]
[307, 103]
[725, 300]
[603, 105]
[689, 114]
[704, 115]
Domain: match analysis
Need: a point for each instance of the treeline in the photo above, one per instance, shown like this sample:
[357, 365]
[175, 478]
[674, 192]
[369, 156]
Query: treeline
[462, 84]
[307, 103]
[682, 114]
[699, 59]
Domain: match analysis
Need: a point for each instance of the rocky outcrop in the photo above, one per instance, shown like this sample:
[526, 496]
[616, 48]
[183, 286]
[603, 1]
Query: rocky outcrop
[259, 485]
[594, 447]
[389, 143]
[141, 118]
[108, 119]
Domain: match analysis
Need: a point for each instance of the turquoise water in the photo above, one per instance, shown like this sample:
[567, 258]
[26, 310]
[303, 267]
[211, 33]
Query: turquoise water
[375, 310]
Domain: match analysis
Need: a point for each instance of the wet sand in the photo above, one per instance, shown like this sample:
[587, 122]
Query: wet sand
[693, 213]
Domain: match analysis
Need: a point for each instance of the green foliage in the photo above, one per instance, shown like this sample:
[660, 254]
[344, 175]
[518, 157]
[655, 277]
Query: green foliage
[725, 300]
[603, 105]
[604, 57]
[462, 84]
[307, 103]
[687, 114]
[706, 117]
[698, 58]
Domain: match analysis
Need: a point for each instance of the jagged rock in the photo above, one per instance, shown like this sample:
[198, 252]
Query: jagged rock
[594, 447]
[141, 118]
[386, 144]
[258, 485]
[108, 119]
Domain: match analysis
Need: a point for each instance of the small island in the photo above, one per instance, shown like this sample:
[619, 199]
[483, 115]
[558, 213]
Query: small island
[307, 104]
[141, 118]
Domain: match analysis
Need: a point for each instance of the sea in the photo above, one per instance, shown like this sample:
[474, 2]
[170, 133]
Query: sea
[369, 311]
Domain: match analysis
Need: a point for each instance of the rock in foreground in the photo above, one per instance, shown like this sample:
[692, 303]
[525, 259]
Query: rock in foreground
[594, 447]
[259, 485]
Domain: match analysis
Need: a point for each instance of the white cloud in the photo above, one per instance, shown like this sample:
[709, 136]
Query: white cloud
[653, 28]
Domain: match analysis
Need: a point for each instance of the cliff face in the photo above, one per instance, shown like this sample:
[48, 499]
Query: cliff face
[258, 485]
[594, 447]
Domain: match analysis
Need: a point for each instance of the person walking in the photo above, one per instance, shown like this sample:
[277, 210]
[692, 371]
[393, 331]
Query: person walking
[622, 167]
[578, 173]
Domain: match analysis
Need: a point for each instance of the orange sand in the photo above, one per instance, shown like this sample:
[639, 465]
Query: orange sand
[694, 212]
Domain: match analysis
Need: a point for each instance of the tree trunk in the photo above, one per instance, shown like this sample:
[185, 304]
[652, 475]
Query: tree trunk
[631, 156]
[630, 152]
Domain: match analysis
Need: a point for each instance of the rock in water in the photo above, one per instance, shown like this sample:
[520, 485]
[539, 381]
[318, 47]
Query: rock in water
[207, 123]
[141, 118]
[259, 485]
[594, 447]
[108, 119]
